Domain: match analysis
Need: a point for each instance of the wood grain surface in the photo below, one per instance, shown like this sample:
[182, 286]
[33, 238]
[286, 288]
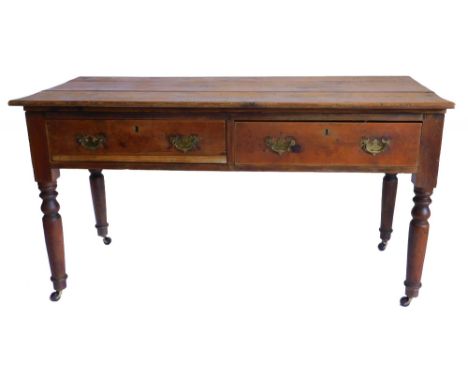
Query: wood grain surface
[383, 93]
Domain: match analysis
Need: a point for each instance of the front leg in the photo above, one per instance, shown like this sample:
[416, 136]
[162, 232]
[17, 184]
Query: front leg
[424, 180]
[417, 241]
[53, 233]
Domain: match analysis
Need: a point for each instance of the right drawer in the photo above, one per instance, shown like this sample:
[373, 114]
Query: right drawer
[340, 144]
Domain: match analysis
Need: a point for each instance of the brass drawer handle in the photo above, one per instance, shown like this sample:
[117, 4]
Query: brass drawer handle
[374, 146]
[184, 143]
[91, 142]
[281, 145]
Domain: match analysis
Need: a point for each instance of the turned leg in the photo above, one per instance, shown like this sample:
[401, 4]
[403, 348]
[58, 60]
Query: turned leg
[53, 232]
[417, 240]
[98, 193]
[389, 191]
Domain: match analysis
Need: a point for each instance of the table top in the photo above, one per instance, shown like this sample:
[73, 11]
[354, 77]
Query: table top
[382, 93]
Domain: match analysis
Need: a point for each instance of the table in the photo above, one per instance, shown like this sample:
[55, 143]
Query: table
[356, 124]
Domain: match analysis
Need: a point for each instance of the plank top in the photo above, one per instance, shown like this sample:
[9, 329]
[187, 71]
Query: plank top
[401, 93]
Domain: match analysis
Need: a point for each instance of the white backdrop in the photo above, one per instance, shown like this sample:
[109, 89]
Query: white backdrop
[231, 276]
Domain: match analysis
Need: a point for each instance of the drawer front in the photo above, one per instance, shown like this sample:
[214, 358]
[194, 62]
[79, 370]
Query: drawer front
[327, 144]
[144, 140]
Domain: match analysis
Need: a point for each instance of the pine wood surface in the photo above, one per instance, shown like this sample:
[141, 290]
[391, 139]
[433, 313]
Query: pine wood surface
[387, 93]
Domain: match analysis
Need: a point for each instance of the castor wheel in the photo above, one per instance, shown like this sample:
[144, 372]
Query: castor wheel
[382, 245]
[405, 301]
[107, 240]
[55, 296]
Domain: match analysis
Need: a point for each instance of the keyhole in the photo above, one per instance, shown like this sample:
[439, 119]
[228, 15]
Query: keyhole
[136, 129]
[326, 132]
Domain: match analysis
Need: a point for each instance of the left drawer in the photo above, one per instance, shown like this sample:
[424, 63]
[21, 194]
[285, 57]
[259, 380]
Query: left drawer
[137, 140]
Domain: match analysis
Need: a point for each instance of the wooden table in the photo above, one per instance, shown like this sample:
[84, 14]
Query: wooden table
[356, 124]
